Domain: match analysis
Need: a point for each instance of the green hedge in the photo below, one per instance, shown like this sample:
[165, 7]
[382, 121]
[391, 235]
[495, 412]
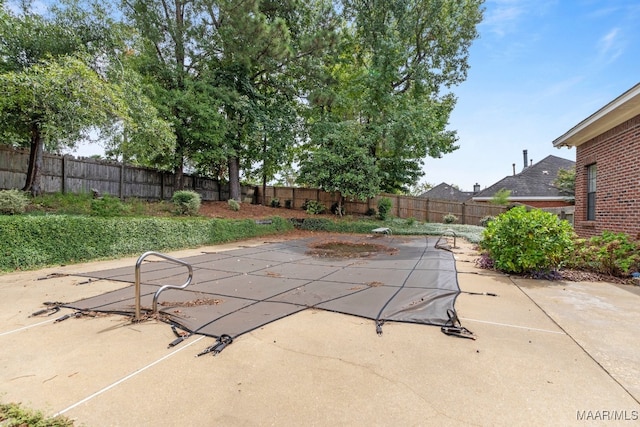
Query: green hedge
[30, 242]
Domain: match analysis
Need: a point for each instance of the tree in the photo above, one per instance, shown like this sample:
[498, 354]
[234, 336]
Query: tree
[421, 188]
[396, 59]
[501, 197]
[225, 73]
[566, 181]
[340, 165]
[57, 102]
[55, 87]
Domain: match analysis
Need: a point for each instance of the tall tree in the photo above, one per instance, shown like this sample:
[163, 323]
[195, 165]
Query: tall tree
[55, 89]
[172, 36]
[398, 60]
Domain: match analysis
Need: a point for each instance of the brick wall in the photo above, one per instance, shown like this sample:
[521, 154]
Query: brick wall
[616, 154]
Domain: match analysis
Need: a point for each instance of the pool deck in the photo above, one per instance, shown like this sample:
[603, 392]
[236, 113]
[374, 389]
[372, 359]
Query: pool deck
[546, 353]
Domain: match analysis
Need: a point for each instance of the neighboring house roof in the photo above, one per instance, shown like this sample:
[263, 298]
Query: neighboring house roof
[618, 111]
[534, 183]
[445, 191]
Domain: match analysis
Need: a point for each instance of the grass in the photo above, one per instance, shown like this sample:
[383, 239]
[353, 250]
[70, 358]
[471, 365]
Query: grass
[398, 226]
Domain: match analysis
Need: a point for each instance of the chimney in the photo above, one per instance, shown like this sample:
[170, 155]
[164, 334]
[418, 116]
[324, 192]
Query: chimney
[526, 161]
[514, 168]
[476, 188]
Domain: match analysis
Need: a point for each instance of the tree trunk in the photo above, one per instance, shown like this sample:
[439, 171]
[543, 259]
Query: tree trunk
[264, 167]
[234, 179]
[33, 183]
[178, 171]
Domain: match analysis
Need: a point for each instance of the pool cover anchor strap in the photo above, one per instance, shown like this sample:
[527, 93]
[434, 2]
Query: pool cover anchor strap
[454, 328]
[181, 336]
[223, 341]
[67, 316]
[379, 324]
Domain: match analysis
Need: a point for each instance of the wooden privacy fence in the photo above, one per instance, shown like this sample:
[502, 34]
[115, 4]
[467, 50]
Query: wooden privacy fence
[422, 209]
[68, 174]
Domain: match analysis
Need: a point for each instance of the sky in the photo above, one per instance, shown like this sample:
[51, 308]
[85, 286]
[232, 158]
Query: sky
[538, 69]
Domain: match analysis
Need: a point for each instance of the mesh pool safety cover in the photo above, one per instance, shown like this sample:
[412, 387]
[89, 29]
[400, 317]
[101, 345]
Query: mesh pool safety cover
[234, 292]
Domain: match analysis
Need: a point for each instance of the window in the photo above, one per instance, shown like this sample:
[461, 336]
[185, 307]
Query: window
[591, 192]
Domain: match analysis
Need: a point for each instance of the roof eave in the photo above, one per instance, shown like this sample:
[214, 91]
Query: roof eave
[621, 109]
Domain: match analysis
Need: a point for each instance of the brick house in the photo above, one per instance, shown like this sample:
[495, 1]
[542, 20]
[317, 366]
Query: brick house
[607, 193]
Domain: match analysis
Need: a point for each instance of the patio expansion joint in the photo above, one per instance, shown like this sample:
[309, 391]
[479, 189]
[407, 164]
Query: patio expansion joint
[576, 342]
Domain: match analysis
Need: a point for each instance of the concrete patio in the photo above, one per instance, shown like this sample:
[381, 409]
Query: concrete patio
[546, 353]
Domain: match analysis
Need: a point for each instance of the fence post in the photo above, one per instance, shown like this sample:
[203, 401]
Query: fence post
[121, 184]
[161, 185]
[64, 174]
[464, 213]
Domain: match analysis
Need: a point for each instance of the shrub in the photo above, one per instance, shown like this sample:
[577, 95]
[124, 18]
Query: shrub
[316, 224]
[13, 202]
[370, 212]
[13, 414]
[449, 218]
[521, 241]
[108, 206]
[29, 242]
[314, 207]
[233, 205]
[384, 208]
[611, 253]
[410, 221]
[288, 204]
[275, 202]
[186, 202]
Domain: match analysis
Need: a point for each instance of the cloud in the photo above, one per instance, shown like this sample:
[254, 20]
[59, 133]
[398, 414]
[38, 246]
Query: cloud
[610, 46]
[503, 17]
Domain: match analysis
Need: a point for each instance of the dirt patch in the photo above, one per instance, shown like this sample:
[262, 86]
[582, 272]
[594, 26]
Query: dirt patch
[588, 276]
[341, 249]
[222, 210]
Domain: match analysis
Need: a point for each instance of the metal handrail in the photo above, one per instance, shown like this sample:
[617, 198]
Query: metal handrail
[163, 288]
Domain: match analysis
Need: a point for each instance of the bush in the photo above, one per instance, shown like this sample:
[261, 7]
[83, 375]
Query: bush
[370, 212]
[611, 253]
[313, 207]
[233, 205]
[384, 208]
[108, 206]
[316, 224]
[275, 202]
[410, 221]
[521, 241]
[186, 202]
[449, 218]
[13, 202]
[13, 414]
[29, 242]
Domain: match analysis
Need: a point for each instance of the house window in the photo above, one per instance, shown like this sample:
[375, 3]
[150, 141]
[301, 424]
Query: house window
[591, 192]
